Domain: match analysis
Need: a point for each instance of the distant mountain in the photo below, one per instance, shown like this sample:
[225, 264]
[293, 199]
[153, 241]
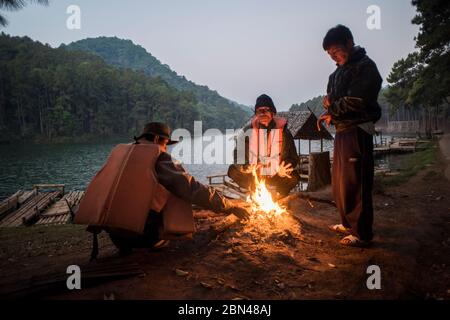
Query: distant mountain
[218, 110]
[315, 104]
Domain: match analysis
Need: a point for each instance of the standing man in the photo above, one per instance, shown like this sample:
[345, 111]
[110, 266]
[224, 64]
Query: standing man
[351, 105]
[269, 149]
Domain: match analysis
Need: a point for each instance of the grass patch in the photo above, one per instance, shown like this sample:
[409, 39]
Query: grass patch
[411, 165]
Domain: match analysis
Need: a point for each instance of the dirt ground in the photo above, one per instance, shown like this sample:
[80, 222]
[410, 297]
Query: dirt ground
[297, 259]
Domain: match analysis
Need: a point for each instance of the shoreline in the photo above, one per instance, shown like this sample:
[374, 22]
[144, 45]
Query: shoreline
[62, 160]
[91, 138]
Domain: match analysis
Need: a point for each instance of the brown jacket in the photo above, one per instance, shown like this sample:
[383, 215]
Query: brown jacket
[124, 190]
[175, 179]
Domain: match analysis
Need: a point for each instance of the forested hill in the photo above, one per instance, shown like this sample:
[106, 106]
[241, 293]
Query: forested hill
[126, 54]
[51, 93]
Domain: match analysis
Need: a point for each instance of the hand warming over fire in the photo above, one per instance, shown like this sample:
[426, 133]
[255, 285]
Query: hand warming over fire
[285, 170]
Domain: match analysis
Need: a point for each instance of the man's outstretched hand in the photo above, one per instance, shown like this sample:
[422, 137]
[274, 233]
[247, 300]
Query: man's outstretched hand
[285, 170]
[239, 208]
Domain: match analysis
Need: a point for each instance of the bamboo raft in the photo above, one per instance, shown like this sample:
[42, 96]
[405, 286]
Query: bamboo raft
[399, 145]
[39, 207]
[60, 212]
[13, 202]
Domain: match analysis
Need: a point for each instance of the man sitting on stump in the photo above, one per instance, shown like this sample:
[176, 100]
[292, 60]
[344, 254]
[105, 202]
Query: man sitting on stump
[351, 105]
[267, 148]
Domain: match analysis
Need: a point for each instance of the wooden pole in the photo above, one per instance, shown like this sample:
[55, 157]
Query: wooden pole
[319, 174]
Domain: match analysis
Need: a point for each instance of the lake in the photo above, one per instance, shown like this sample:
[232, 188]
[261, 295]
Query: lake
[22, 165]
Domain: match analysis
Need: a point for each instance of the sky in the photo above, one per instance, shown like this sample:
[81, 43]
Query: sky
[240, 48]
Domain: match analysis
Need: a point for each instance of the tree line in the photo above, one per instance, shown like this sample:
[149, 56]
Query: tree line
[49, 93]
[421, 81]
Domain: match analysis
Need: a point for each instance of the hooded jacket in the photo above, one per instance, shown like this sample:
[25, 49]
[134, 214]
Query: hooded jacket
[353, 91]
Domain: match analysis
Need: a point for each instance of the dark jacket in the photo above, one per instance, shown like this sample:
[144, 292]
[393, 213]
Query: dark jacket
[175, 179]
[353, 91]
[288, 150]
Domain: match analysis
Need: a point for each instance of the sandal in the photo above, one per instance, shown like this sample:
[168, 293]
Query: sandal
[352, 241]
[161, 244]
[339, 228]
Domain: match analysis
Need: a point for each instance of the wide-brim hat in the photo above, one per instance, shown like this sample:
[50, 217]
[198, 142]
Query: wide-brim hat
[157, 129]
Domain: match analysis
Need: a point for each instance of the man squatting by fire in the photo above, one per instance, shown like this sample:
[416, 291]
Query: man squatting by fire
[142, 197]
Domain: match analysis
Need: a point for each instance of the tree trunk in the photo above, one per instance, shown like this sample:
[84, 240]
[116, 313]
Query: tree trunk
[319, 170]
[2, 104]
[41, 124]
[436, 117]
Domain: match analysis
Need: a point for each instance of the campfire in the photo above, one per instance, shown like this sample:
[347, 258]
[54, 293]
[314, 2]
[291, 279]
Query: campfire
[270, 223]
[261, 202]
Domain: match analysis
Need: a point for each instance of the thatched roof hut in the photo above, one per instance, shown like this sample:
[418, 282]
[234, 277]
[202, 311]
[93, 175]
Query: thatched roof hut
[303, 125]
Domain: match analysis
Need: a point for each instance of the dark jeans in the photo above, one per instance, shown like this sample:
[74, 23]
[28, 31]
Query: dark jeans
[246, 180]
[353, 170]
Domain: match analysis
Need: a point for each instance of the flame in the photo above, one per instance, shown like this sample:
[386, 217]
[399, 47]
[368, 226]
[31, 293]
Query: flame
[261, 201]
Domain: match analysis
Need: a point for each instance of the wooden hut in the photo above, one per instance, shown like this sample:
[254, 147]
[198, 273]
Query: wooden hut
[303, 126]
